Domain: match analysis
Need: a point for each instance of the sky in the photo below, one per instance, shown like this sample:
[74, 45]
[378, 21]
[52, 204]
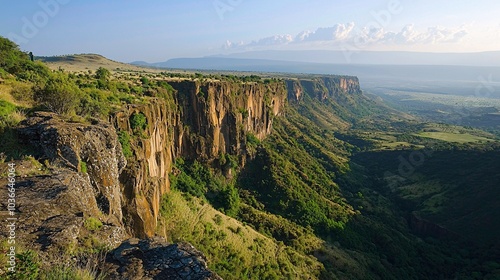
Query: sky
[154, 30]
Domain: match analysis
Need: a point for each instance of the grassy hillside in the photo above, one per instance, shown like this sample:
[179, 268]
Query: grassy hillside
[92, 62]
[235, 250]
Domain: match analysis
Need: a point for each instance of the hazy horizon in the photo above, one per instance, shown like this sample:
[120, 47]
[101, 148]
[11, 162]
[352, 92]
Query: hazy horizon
[156, 31]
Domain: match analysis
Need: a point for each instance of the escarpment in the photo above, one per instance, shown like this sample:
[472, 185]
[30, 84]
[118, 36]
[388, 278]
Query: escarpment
[322, 87]
[200, 120]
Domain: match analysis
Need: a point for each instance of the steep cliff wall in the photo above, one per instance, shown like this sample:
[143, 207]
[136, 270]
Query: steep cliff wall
[197, 120]
[154, 148]
[200, 120]
[322, 87]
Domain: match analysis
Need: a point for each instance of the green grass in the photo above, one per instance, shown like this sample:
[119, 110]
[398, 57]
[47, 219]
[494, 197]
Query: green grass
[452, 137]
[6, 108]
[234, 250]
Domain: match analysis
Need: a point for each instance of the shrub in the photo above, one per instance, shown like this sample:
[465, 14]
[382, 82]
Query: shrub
[22, 92]
[124, 139]
[138, 121]
[232, 161]
[230, 200]
[252, 140]
[144, 81]
[94, 103]
[192, 179]
[12, 59]
[218, 219]
[60, 95]
[222, 159]
[92, 224]
[27, 266]
[102, 74]
[83, 166]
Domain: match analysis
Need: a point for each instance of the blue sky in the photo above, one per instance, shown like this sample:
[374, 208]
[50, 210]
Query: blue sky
[157, 30]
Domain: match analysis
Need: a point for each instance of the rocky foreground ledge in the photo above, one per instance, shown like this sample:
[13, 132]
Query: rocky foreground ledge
[155, 259]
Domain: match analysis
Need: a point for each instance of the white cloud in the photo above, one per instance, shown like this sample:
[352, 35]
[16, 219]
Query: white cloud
[273, 40]
[338, 32]
[303, 35]
[366, 36]
[231, 45]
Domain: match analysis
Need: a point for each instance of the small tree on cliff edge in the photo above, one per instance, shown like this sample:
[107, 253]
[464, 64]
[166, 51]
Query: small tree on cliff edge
[60, 95]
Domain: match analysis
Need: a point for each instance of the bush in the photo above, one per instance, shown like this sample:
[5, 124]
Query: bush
[94, 103]
[192, 179]
[22, 92]
[83, 166]
[12, 59]
[144, 81]
[92, 224]
[102, 74]
[138, 121]
[252, 140]
[60, 95]
[27, 266]
[230, 200]
[124, 139]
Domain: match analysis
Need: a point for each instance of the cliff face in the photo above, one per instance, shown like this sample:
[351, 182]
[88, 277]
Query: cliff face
[145, 177]
[322, 87]
[199, 121]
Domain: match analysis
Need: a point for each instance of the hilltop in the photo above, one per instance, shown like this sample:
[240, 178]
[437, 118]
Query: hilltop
[85, 62]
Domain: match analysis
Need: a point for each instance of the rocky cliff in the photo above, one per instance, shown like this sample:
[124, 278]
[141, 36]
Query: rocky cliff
[88, 176]
[322, 87]
[200, 120]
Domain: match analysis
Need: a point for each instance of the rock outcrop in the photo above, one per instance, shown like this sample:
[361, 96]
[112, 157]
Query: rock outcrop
[156, 259]
[85, 161]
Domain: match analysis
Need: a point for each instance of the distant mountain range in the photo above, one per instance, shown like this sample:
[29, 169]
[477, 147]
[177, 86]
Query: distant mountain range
[374, 68]
[355, 57]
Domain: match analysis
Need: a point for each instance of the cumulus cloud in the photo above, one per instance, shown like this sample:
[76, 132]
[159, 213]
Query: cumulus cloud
[350, 34]
[338, 32]
[273, 40]
[433, 35]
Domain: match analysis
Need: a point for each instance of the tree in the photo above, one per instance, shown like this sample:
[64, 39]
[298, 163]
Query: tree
[60, 95]
[102, 74]
[144, 81]
[12, 59]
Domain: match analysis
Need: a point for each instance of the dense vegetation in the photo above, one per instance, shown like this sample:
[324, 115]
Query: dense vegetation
[344, 187]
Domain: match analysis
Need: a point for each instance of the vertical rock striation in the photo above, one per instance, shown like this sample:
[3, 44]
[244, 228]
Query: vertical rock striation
[198, 120]
[201, 120]
[322, 87]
